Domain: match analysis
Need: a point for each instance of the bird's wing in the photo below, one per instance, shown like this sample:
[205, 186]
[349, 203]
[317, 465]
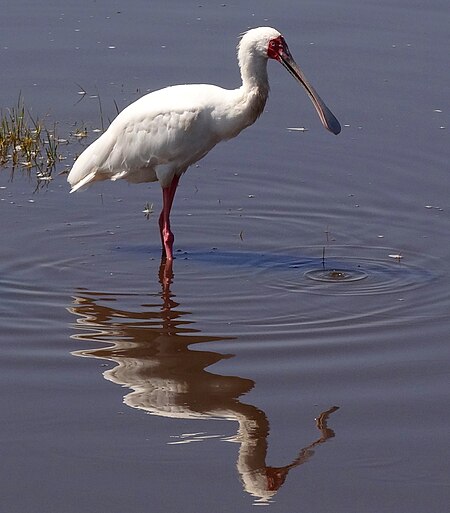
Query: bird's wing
[171, 127]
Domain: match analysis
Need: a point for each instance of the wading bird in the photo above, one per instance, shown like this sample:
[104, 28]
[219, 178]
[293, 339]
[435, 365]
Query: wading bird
[159, 136]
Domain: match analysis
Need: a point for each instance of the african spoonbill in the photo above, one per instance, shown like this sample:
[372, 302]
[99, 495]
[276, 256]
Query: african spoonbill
[160, 135]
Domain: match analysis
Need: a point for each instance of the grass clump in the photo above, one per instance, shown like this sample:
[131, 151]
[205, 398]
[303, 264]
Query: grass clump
[26, 143]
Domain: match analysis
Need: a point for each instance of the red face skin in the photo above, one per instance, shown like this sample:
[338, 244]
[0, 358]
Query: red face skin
[276, 48]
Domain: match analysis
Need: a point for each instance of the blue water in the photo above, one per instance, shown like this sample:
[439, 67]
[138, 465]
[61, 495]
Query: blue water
[238, 380]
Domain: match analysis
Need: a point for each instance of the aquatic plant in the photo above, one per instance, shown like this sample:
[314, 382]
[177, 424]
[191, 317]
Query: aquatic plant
[30, 144]
[26, 142]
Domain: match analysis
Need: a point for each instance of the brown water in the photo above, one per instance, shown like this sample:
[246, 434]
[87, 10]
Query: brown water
[333, 391]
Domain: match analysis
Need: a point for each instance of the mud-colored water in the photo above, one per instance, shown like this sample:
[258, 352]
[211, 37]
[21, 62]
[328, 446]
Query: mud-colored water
[298, 355]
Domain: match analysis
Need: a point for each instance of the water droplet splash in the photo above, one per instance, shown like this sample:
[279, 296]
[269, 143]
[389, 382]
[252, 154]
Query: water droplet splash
[336, 275]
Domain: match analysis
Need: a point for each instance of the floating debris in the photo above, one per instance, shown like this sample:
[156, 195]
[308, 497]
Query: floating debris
[80, 133]
[297, 129]
[44, 178]
[148, 210]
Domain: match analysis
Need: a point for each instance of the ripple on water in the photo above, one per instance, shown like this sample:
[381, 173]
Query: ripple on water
[375, 274]
[358, 286]
[367, 282]
[336, 275]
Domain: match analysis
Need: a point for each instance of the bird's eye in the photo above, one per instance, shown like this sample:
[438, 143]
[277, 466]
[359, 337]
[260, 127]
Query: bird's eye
[272, 49]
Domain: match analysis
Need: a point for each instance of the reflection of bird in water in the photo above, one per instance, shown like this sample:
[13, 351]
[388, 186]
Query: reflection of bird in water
[150, 345]
[259, 479]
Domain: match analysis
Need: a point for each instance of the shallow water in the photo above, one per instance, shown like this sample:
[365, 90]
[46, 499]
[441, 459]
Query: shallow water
[238, 380]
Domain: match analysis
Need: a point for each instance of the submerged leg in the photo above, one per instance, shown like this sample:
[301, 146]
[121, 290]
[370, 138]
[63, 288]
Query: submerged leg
[164, 219]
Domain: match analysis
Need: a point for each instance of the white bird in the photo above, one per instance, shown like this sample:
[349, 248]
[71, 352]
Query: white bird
[159, 136]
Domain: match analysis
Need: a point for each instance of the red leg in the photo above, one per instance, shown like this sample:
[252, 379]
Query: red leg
[164, 219]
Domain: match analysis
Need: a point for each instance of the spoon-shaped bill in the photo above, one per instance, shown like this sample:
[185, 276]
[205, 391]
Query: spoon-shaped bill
[328, 119]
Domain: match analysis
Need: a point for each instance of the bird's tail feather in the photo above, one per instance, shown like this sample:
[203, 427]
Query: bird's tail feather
[83, 183]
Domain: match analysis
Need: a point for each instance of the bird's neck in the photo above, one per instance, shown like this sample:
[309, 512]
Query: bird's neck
[255, 83]
[253, 69]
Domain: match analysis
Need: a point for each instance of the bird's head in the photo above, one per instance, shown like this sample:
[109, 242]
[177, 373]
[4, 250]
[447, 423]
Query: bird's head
[256, 41]
[270, 44]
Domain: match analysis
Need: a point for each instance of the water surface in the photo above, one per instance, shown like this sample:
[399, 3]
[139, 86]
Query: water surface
[238, 380]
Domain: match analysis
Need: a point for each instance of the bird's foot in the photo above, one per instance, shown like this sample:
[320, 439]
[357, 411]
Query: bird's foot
[166, 257]
[166, 273]
[167, 239]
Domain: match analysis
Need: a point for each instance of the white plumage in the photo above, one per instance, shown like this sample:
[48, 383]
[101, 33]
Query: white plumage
[159, 136]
